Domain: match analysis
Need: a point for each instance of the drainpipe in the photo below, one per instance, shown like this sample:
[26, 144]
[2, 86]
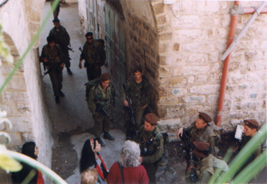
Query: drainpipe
[231, 35]
[245, 28]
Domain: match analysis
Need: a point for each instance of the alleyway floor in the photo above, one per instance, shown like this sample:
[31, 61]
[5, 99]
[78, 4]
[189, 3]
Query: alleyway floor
[72, 121]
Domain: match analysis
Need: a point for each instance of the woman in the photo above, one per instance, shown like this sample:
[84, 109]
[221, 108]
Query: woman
[90, 158]
[31, 150]
[128, 169]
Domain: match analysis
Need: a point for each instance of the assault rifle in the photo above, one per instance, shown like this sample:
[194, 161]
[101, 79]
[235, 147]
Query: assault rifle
[191, 163]
[51, 68]
[130, 108]
[102, 108]
[71, 49]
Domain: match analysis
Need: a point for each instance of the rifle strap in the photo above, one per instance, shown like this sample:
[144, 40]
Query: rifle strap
[122, 175]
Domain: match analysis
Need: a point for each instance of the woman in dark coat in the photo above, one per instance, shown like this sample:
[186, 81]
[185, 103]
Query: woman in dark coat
[29, 149]
[90, 158]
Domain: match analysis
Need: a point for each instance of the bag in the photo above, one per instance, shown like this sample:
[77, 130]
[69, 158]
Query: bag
[89, 85]
[216, 132]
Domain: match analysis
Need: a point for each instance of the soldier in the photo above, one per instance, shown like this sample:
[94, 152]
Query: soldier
[101, 102]
[151, 145]
[94, 55]
[62, 38]
[203, 130]
[207, 164]
[52, 58]
[251, 127]
[138, 93]
[56, 12]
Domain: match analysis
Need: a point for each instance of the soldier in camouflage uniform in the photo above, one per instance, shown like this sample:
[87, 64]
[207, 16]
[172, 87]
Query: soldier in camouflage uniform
[251, 127]
[62, 38]
[56, 12]
[94, 56]
[207, 164]
[151, 145]
[101, 102]
[138, 90]
[203, 130]
[51, 55]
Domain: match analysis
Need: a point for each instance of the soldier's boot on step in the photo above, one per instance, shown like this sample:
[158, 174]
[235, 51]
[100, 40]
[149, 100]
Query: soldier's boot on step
[108, 136]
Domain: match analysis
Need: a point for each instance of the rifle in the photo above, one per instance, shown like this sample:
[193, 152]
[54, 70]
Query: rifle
[130, 108]
[71, 49]
[102, 108]
[80, 49]
[191, 163]
[52, 68]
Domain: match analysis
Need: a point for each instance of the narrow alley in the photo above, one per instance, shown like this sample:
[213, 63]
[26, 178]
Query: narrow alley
[72, 121]
[71, 118]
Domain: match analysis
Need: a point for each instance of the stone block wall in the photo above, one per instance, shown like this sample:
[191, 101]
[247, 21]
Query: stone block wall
[23, 97]
[142, 50]
[192, 37]
[180, 45]
[83, 16]
[101, 19]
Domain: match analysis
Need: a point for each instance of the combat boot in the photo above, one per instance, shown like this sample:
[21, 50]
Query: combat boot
[69, 71]
[108, 136]
[100, 142]
[61, 94]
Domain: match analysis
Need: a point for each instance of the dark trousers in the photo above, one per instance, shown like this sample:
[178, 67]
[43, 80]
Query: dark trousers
[56, 79]
[101, 123]
[93, 73]
[138, 116]
[66, 55]
[151, 170]
[56, 12]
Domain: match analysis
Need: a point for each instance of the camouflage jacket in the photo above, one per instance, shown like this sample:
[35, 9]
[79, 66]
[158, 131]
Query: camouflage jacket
[208, 134]
[254, 155]
[61, 36]
[93, 54]
[53, 55]
[99, 98]
[138, 92]
[207, 167]
[151, 144]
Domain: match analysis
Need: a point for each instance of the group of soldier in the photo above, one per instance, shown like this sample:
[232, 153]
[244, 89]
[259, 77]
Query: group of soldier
[140, 122]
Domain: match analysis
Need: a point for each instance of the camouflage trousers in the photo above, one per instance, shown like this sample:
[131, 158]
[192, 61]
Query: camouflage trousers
[56, 79]
[138, 116]
[101, 123]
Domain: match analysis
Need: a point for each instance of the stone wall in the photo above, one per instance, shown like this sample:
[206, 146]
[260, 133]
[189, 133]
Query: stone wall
[192, 37]
[179, 46]
[83, 16]
[142, 50]
[23, 97]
